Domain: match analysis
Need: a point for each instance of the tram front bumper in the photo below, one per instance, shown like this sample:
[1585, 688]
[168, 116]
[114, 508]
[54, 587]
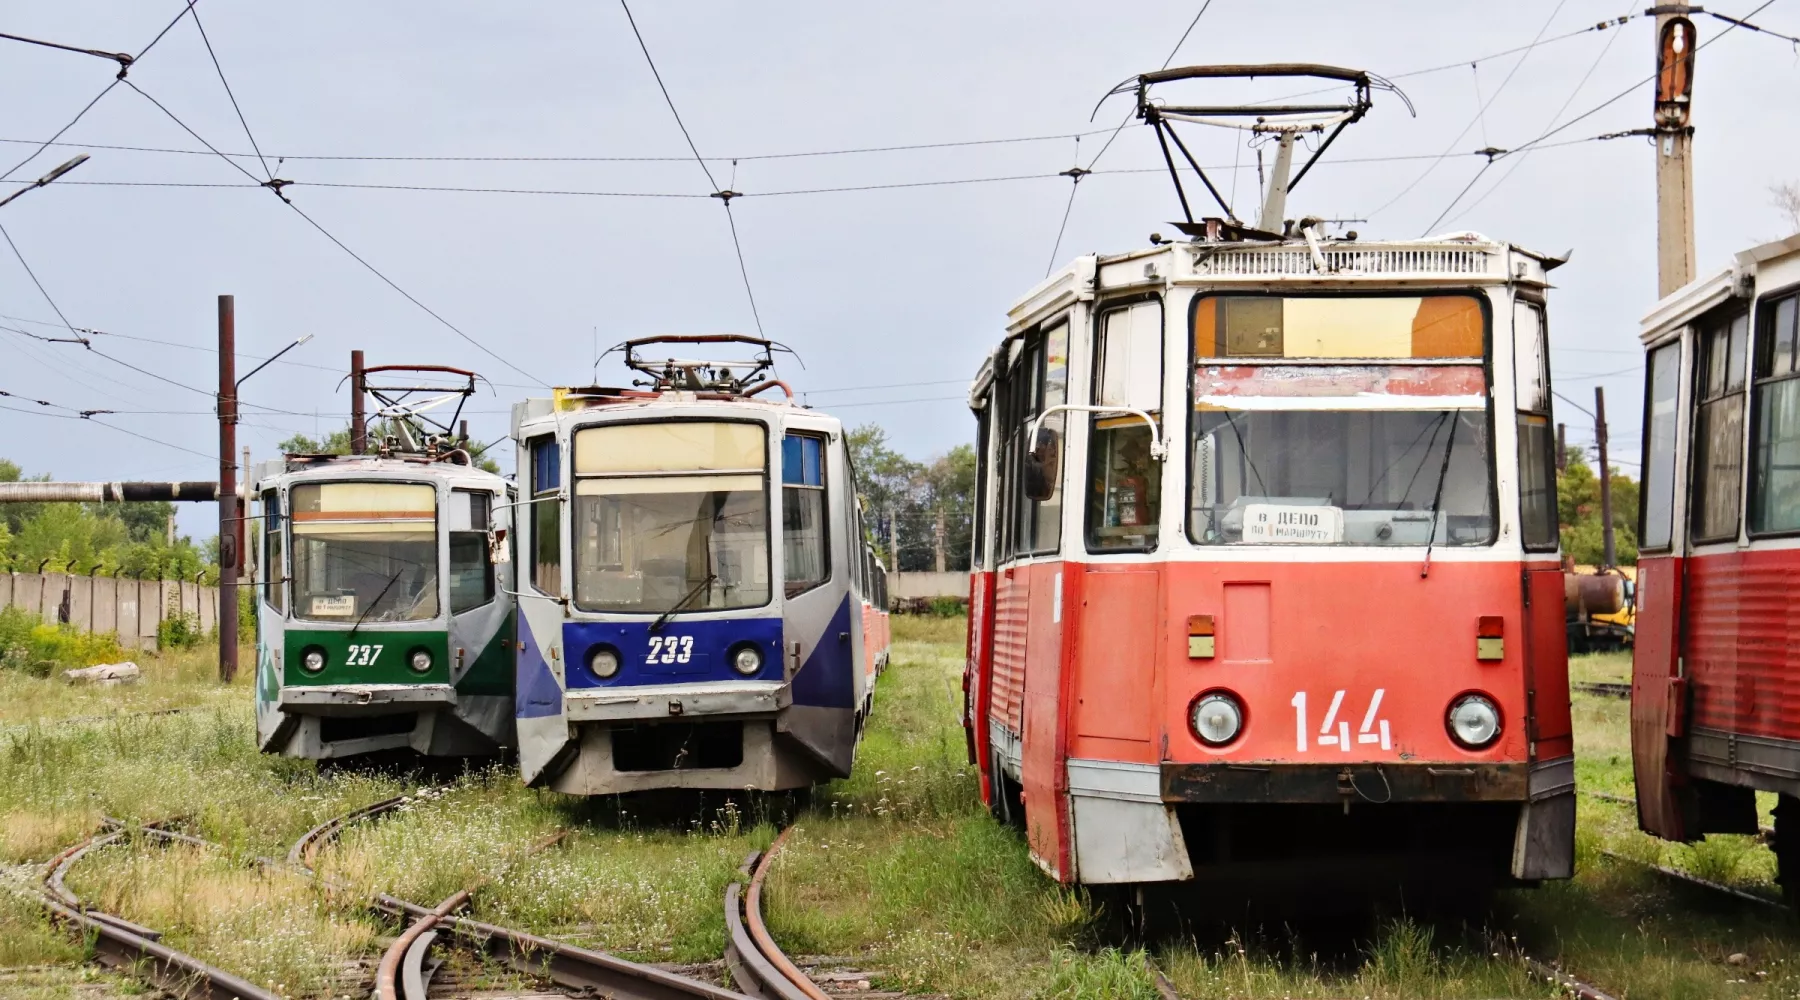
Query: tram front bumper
[365, 699]
[664, 702]
[1277, 782]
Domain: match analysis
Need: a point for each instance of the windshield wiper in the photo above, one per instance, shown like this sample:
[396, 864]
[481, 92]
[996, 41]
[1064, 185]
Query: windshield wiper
[365, 615]
[663, 619]
[1438, 496]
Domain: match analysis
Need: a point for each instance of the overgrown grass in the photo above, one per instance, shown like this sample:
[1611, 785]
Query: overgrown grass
[898, 867]
[183, 678]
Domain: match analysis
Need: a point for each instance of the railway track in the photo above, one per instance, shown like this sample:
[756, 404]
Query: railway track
[758, 967]
[1605, 689]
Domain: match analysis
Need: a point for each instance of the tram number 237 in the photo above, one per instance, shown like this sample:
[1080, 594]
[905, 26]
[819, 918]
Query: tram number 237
[1335, 731]
[670, 649]
[362, 654]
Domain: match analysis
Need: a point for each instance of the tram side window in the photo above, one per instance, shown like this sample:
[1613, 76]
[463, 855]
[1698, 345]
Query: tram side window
[1658, 492]
[1037, 379]
[1537, 441]
[1124, 481]
[274, 531]
[1775, 456]
[471, 565]
[546, 516]
[1719, 428]
[805, 544]
[978, 537]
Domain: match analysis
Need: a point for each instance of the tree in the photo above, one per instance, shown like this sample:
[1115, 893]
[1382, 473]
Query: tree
[906, 502]
[1787, 199]
[1578, 512]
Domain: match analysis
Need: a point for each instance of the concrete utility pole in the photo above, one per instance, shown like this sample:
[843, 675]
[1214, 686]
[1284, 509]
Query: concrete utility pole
[228, 485]
[1562, 447]
[1674, 137]
[1606, 519]
[937, 539]
[359, 429]
[893, 541]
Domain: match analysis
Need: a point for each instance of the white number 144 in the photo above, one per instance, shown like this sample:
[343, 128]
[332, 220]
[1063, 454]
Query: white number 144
[1335, 731]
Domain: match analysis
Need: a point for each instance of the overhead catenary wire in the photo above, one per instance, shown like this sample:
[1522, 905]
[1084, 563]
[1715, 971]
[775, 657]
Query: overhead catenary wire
[231, 96]
[1525, 54]
[723, 194]
[1585, 77]
[276, 185]
[186, 8]
[1077, 172]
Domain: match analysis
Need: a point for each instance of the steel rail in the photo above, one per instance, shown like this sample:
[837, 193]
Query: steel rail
[306, 850]
[750, 951]
[388, 976]
[1606, 689]
[117, 945]
[1677, 875]
[1582, 990]
[566, 965]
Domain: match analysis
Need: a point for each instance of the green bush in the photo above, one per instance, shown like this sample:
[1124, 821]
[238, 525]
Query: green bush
[946, 607]
[29, 645]
[180, 631]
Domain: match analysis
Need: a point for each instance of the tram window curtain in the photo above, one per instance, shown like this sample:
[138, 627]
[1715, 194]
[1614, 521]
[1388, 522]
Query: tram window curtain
[1657, 493]
[1124, 481]
[1775, 453]
[1537, 438]
[1719, 428]
[546, 516]
[805, 544]
[273, 566]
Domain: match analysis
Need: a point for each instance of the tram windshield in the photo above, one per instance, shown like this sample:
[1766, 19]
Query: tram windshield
[364, 552]
[1344, 477]
[1341, 420]
[671, 516]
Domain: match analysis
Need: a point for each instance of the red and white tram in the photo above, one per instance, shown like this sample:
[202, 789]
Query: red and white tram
[1266, 576]
[1715, 693]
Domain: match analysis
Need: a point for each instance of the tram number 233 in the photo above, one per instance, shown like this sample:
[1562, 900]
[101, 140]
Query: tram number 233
[670, 649]
[1335, 731]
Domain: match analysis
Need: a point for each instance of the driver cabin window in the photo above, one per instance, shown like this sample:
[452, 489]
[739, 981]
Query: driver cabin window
[471, 562]
[804, 542]
[365, 552]
[1124, 480]
[1775, 458]
[1660, 406]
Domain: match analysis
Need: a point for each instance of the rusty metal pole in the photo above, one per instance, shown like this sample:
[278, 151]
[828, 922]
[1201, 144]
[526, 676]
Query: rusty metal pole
[228, 499]
[1606, 519]
[1676, 41]
[359, 429]
[1562, 447]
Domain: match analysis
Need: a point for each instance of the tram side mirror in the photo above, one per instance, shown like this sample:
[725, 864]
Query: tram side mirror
[1041, 465]
[497, 550]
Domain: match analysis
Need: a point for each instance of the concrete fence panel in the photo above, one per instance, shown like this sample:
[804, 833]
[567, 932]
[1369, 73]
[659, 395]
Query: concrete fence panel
[928, 585]
[106, 604]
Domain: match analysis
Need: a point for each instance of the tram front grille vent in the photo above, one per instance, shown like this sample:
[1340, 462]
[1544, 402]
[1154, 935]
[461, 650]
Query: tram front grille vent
[1347, 260]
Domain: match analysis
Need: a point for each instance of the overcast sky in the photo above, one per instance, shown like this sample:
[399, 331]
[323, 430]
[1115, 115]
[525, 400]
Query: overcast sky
[891, 296]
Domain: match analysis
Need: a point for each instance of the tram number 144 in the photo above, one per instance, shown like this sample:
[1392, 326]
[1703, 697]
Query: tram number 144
[1335, 731]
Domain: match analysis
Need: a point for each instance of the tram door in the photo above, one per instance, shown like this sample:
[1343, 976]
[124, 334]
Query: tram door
[1657, 694]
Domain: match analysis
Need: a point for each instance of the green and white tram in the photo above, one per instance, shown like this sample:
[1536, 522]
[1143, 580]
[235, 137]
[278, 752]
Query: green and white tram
[384, 619]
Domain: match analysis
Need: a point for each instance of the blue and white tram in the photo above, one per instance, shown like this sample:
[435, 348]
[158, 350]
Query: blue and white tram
[691, 583]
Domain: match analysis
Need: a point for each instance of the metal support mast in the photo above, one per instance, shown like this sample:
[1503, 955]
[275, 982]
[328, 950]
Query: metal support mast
[228, 490]
[1674, 137]
[1606, 518]
[359, 428]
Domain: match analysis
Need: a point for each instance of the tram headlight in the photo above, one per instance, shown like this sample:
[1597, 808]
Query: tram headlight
[313, 660]
[603, 662]
[1473, 721]
[746, 660]
[1217, 718]
[419, 660]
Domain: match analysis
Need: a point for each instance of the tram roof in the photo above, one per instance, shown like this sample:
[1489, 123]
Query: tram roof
[339, 466]
[1460, 258]
[1735, 280]
[603, 399]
